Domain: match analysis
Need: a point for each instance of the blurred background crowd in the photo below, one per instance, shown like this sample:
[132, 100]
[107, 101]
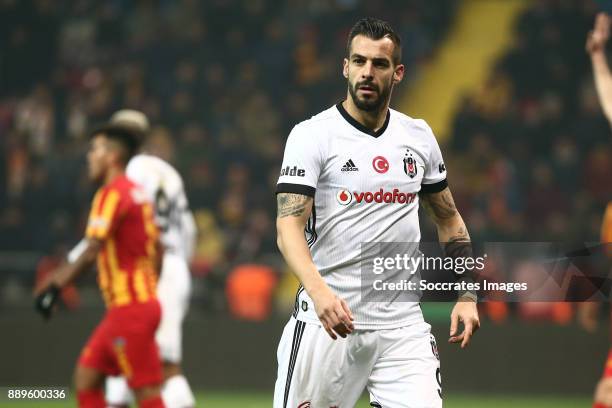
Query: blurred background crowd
[533, 143]
[224, 81]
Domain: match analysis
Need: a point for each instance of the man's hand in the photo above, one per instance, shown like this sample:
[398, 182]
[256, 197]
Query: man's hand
[46, 300]
[465, 311]
[333, 312]
[603, 392]
[598, 37]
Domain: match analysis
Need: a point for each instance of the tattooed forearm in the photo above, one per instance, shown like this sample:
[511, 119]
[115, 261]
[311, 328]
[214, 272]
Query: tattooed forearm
[439, 205]
[289, 204]
[441, 208]
[461, 236]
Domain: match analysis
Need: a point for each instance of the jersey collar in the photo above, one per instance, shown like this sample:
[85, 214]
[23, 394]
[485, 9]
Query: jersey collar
[359, 126]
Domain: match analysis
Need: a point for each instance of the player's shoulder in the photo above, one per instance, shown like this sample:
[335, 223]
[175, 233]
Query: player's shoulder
[321, 121]
[122, 184]
[130, 192]
[148, 161]
[415, 124]
[414, 127]
[146, 165]
[117, 190]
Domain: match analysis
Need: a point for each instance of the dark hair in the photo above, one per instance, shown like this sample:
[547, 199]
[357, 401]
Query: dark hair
[376, 29]
[129, 137]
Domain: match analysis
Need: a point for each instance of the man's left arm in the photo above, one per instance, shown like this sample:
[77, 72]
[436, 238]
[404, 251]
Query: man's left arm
[455, 239]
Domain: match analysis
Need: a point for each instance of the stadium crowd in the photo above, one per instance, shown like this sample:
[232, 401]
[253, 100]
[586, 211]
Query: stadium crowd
[224, 81]
[532, 147]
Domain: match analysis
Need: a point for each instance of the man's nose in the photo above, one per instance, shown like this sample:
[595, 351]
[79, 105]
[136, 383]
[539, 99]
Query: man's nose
[368, 70]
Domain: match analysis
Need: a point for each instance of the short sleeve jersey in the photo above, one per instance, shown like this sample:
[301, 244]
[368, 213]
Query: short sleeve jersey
[365, 186]
[121, 218]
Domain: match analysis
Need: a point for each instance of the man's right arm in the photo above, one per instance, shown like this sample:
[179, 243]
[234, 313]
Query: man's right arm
[293, 213]
[596, 47]
[48, 293]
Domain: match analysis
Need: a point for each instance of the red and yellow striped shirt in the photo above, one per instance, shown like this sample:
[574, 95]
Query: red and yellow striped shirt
[122, 219]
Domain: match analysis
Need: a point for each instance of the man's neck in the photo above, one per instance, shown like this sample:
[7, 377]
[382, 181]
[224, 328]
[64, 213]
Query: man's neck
[372, 120]
[112, 173]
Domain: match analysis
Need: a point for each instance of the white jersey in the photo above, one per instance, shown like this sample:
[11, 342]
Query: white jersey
[164, 187]
[365, 186]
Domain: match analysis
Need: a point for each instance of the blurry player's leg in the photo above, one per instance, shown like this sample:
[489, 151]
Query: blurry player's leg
[313, 368]
[173, 292]
[118, 394]
[88, 383]
[603, 391]
[149, 396]
[95, 362]
[603, 394]
[407, 372]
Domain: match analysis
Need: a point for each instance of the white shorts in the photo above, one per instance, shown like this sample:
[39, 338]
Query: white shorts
[399, 367]
[173, 290]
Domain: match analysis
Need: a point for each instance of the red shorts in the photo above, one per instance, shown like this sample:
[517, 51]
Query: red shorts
[124, 344]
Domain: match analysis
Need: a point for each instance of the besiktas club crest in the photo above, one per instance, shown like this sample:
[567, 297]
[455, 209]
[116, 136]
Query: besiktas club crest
[410, 165]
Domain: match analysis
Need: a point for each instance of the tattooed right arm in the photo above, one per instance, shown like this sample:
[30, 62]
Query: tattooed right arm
[293, 211]
[296, 205]
[292, 215]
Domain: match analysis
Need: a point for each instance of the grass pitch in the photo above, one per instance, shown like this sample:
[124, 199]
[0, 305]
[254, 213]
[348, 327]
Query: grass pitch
[263, 400]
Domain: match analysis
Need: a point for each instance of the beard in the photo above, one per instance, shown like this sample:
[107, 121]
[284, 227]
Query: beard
[371, 104]
[95, 177]
[96, 173]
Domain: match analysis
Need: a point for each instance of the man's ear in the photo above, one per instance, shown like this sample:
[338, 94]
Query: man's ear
[398, 74]
[345, 65]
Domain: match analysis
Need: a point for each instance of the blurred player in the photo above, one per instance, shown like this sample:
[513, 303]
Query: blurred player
[596, 47]
[122, 236]
[360, 145]
[164, 187]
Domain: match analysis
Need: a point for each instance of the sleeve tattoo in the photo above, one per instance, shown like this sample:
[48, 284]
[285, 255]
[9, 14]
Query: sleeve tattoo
[440, 205]
[461, 236]
[289, 204]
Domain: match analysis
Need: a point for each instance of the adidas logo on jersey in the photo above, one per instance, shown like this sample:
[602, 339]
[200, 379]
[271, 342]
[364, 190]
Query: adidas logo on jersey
[349, 166]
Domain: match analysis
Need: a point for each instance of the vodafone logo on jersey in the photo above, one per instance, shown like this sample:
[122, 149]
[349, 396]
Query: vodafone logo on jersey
[381, 196]
[344, 197]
